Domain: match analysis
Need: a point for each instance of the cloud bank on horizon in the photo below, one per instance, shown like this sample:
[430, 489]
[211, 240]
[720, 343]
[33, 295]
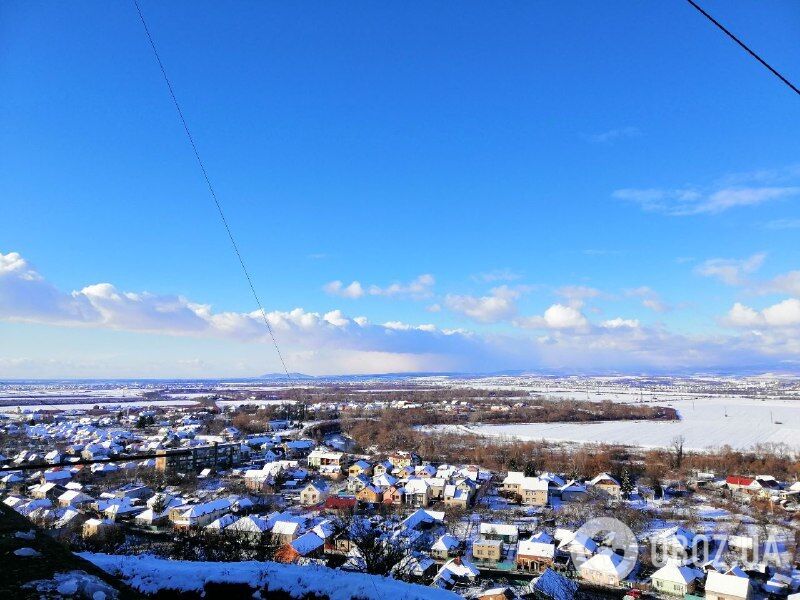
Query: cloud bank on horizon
[566, 335]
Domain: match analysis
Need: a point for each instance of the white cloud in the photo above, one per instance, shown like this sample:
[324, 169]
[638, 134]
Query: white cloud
[620, 322]
[650, 298]
[497, 275]
[578, 292]
[499, 305]
[557, 316]
[613, 135]
[400, 326]
[336, 318]
[25, 296]
[731, 271]
[332, 342]
[13, 264]
[419, 287]
[693, 201]
[788, 283]
[337, 288]
[780, 315]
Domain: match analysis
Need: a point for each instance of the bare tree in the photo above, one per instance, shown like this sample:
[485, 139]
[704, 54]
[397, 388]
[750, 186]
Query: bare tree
[677, 447]
[377, 550]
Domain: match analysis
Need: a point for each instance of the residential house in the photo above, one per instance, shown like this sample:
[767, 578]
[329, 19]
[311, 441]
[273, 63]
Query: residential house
[553, 586]
[382, 468]
[674, 541]
[676, 580]
[508, 534]
[536, 554]
[308, 545]
[251, 526]
[75, 499]
[326, 462]
[456, 572]
[739, 483]
[607, 484]
[284, 532]
[418, 493]
[356, 483]
[323, 457]
[314, 493]
[97, 527]
[604, 568]
[577, 544]
[402, 459]
[394, 495]
[384, 481]
[572, 490]
[445, 547]
[487, 551]
[531, 491]
[436, 485]
[370, 495]
[535, 491]
[198, 515]
[360, 467]
[727, 587]
[454, 497]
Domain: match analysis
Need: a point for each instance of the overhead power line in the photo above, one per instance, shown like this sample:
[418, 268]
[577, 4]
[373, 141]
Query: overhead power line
[211, 187]
[745, 46]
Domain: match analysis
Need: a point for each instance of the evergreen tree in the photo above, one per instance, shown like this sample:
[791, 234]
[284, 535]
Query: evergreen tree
[626, 485]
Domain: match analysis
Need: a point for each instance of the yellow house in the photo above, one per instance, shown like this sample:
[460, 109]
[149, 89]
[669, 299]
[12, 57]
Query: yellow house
[484, 550]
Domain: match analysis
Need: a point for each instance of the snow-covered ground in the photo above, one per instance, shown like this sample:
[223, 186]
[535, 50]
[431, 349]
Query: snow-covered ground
[149, 575]
[703, 424]
[89, 404]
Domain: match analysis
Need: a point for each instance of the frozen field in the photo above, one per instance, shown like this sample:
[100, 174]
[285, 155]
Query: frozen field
[703, 424]
[13, 409]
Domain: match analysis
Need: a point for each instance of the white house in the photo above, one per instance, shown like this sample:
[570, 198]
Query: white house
[727, 587]
[676, 580]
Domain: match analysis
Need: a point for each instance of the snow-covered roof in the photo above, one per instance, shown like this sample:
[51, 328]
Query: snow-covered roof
[423, 515]
[534, 548]
[285, 527]
[606, 562]
[677, 574]
[219, 524]
[604, 478]
[416, 486]
[307, 543]
[249, 524]
[445, 543]
[199, 510]
[503, 529]
[555, 586]
[732, 585]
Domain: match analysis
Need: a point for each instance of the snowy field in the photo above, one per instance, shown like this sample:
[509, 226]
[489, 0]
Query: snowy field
[151, 575]
[13, 409]
[703, 424]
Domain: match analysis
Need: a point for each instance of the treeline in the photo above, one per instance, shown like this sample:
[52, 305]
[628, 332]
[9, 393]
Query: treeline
[534, 410]
[396, 430]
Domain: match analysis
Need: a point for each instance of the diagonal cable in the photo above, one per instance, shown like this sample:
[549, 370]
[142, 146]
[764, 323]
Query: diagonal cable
[211, 187]
[744, 46]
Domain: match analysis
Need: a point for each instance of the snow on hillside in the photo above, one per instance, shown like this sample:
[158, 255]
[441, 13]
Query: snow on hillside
[149, 575]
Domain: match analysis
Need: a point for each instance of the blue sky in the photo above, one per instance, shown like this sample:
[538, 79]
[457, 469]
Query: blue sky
[537, 185]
